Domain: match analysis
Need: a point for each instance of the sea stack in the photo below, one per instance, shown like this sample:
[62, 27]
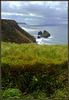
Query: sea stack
[45, 34]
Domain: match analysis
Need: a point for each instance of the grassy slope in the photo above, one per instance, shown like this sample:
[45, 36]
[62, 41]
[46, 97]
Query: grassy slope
[38, 70]
[9, 33]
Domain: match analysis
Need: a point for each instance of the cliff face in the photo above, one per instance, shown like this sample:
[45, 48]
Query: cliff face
[11, 32]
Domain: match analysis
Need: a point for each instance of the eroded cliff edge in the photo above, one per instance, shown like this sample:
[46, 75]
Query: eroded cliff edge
[12, 32]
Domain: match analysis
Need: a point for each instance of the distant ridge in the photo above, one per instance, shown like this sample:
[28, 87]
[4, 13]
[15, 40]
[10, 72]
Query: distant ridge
[12, 32]
[21, 23]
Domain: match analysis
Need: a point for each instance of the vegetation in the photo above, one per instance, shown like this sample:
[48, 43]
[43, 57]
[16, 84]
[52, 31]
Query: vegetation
[11, 32]
[45, 34]
[31, 71]
[11, 94]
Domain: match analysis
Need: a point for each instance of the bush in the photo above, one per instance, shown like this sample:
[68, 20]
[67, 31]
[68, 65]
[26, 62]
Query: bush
[11, 94]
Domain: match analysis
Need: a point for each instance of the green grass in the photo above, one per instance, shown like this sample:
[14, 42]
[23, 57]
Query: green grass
[38, 71]
[45, 34]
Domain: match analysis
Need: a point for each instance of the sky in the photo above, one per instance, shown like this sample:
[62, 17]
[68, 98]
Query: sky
[35, 12]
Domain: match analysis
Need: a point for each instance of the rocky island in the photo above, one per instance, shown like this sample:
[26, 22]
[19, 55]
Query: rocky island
[45, 34]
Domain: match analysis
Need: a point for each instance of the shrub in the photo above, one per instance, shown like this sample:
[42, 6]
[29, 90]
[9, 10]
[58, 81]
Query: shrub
[11, 94]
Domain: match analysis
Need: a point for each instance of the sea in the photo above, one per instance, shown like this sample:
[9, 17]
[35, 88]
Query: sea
[58, 33]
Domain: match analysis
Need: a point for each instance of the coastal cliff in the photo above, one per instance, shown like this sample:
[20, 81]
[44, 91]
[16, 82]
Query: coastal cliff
[12, 32]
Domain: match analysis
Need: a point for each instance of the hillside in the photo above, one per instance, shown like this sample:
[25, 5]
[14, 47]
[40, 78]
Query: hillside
[38, 71]
[11, 32]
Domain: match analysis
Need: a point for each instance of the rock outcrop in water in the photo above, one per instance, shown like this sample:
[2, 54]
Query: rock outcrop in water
[45, 34]
[12, 32]
[39, 33]
[39, 36]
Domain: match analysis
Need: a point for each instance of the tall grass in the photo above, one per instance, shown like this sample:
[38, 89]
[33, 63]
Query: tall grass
[38, 71]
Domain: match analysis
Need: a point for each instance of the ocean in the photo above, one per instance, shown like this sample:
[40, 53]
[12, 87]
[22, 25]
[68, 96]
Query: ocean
[59, 34]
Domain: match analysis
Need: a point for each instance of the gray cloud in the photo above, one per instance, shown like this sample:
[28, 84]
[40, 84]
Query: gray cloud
[36, 12]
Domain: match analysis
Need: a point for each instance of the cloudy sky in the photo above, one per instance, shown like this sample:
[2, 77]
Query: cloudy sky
[36, 12]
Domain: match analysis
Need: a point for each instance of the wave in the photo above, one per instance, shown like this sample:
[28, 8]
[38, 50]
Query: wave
[28, 29]
[44, 40]
[51, 37]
